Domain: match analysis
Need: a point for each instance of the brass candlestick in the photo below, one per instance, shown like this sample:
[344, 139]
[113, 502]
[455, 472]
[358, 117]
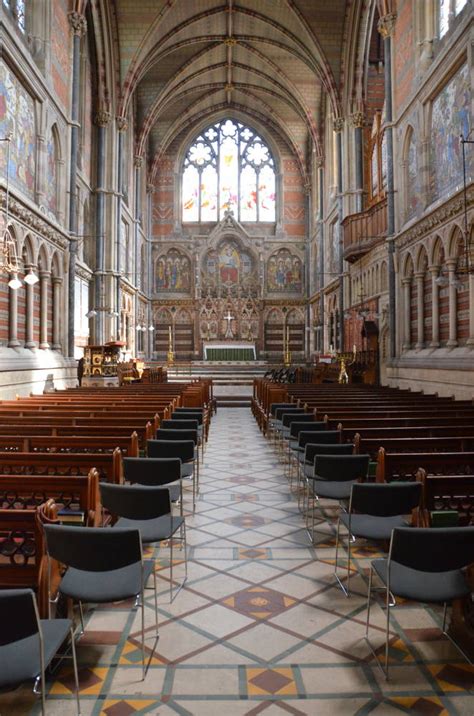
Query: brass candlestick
[287, 352]
[170, 355]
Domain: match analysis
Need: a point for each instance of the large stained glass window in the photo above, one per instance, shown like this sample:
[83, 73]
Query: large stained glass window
[228, 167]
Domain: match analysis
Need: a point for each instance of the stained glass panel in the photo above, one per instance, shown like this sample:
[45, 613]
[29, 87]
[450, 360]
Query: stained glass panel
[443, 17]
[458, 6]
[228, 167]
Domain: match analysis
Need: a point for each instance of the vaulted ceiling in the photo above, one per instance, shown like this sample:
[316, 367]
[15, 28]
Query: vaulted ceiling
[277, 61]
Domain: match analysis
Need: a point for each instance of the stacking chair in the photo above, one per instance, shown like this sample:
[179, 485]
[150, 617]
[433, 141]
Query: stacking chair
[298, 426]
[425, 565]
[180, 422]
[277, 422]
[149, 510]
[305, 437]
[333, 478]
[156, 472]
[199, 414]
[307, 457]
[375, 509]
[103, 565]
[28, 644]
[181, 434]
[185, 450]
[307, 420]
[283, 427]
[272, 416]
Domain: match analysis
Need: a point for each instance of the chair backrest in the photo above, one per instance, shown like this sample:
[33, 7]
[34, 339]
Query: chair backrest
[341, 468]
[178, 424]
[297, 426]
[280, 412]
[313, 449]
[152, 470]
[189, 410]
[328, 437]
[287, 417]
[135, 502]
[176, 434]
[183, 449]
[433, 550]
[385, 499]
[190, 415]
[93, 549]
[18, 615]
[274, 406]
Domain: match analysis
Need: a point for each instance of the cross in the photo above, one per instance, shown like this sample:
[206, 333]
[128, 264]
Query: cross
[228, 318]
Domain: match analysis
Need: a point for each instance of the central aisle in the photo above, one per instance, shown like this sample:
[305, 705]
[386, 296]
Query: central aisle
[260, 627]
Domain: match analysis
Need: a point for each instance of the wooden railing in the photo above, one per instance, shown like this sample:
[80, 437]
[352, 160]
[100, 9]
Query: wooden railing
[364, 230]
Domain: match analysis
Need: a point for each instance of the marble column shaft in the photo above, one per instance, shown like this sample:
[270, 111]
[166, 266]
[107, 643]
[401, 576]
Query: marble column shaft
[44, 284]
[434, 270]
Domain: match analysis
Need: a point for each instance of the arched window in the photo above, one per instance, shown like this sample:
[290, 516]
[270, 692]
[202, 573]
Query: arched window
[448, 9]
[228, 167]
[18, 12]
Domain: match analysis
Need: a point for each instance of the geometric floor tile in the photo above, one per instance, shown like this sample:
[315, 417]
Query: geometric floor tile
[260, 627]
[275, 681]
[259, 602]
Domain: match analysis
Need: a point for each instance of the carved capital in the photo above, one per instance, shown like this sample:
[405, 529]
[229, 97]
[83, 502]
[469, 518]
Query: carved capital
[150, 188]
[102, 118]
[230, 42]
[319, 161]
[78, 23]
[358, 120]
[122, 124]
[338, 124]
[386, 25]
[137, 161]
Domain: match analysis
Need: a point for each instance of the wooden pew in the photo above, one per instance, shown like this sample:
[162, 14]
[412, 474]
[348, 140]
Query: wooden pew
[129, 446]
[108, 465]
[371, 446]
[79, 493]
[404, 466]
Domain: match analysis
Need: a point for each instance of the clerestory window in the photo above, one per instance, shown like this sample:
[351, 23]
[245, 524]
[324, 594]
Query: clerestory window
[448, 10]
[18, 11]
[228, 167]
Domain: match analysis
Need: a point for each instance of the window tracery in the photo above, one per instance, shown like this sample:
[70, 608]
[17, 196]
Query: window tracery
[228, 167]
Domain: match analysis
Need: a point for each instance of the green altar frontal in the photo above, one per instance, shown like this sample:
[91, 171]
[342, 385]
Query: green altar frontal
[229, 352]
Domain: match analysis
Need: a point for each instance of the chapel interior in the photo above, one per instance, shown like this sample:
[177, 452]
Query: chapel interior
[255, 217]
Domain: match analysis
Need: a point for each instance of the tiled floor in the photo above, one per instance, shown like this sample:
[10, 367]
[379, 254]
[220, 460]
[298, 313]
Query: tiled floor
[260, 627]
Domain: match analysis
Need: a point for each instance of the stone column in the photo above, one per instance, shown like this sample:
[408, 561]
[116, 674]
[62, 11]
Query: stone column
[338, 126]
[79, 27]
[29, 309]
[320, 277]
[358, 121]
[13, 341]
[453, 318]
[420, 310]
[434, 270]
[102, 120]
[406, 283]
[470, 340]
[57, 283]
[386, 27]
[122, 127]
[44, 283]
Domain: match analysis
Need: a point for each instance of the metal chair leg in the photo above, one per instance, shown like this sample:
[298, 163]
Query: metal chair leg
[76, 673]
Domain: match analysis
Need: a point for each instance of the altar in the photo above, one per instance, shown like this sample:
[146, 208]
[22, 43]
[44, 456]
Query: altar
[229, 351]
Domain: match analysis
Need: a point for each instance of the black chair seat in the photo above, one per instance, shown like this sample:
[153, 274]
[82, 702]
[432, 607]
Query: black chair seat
[372, 527]
[21, 659]
[431, 587]
[331, 489]
[187, 469]
[153, 530]
[99, 587]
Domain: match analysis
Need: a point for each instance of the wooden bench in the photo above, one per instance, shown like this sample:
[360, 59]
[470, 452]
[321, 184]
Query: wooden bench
[404, 466]
[108, 465]
[78, 493]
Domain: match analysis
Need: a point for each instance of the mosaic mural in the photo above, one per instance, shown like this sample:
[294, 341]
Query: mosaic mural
[412, 180]
[51, 189]
[284, 272]
[228, 266]
[450, 118]
[173, 272]
[17, 116]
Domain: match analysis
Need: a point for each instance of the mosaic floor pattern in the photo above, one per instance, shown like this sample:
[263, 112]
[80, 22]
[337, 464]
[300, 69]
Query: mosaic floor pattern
[260, 627]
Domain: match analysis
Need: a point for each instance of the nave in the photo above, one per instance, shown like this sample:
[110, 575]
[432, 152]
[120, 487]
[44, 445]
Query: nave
[260, 626]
